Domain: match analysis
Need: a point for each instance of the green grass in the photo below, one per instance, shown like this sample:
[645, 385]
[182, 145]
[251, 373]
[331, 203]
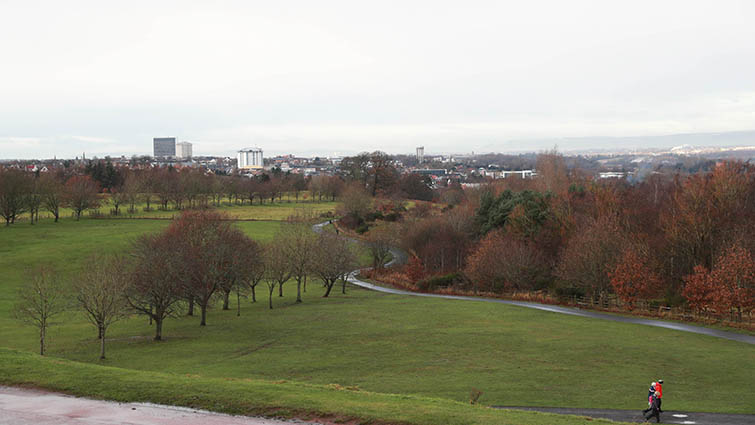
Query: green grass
[278, 210]
[258, 397]
[384, 343]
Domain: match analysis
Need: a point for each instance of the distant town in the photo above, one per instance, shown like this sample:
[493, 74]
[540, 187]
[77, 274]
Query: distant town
[440, 169]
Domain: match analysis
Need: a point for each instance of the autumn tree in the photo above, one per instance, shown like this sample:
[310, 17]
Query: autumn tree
[243, 258]
[633, 278]
[733, 281]
[81, 194]
[41, 299]
[589, 256]
[101, 292]
[698, 289]
[502, 263]
[155, 287]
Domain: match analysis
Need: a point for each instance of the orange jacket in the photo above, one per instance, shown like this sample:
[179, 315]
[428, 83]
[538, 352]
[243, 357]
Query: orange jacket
[659, 388]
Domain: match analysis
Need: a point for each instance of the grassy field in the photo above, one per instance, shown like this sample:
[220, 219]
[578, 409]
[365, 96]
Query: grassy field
[387, 344]
[278, 210]
[259, 397]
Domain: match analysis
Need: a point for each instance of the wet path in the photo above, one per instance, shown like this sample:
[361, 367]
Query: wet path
[33, 407]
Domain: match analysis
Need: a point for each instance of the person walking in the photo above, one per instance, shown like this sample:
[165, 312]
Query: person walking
[654, 408]
[659, 388]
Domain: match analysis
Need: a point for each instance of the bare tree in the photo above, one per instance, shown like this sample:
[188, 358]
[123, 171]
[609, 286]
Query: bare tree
[100, 292]
[334, 260]
[299, 243]
[40, 300]
[12, 194]
[277, 268]
[81, 194]
[154, 288]
[52, 192]
[380, 240]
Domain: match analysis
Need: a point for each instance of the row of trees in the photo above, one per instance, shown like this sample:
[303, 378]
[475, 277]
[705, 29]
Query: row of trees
[676, 239]
[200, 259]
[22, 193]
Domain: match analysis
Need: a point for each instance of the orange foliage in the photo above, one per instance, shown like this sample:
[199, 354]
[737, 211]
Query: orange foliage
[632, 278]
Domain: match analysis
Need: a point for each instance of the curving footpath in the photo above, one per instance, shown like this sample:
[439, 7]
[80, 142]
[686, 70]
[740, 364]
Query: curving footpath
[399, 257]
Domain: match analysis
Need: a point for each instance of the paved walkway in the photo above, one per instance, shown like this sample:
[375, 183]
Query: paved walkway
[33, 407]
[667, 417]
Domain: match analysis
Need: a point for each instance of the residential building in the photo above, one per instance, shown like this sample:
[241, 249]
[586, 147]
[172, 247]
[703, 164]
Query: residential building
[250, 158]
[183, 150]
[164, 147]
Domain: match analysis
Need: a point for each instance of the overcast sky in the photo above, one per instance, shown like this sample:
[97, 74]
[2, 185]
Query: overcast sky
[325, 77]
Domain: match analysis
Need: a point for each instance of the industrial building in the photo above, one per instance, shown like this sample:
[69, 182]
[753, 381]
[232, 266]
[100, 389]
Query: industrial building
[164, 147]
[183, 150]
[250, 158]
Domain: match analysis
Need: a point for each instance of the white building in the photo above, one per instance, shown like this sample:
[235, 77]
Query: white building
[250, 158]
[421, 154]
[183, 150]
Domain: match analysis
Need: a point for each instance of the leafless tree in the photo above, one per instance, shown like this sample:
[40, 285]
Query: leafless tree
[12, 194]
[52, 191]
[277, 268]
[100, 292]
[154, 289]
[334, 260]
[299, 243]
[380, 240]
[81, 194]
[40, 300]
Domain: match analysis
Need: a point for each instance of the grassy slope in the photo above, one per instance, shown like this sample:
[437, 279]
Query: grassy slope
[392, 344]
[258, 397]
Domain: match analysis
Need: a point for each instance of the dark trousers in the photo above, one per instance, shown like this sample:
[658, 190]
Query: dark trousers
[653, 412]
[660, 400]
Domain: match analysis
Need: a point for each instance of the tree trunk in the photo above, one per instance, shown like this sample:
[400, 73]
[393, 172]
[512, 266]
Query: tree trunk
[280, 290]
[203, 307]
[100, 332]
[343, 286]
[254, 293]
[226, 295]
[191, 307]
[102, 344]
[158, 329]
[238, 304]
[298, 290]
[56, 215]
[42, 340]
[328, 287]
[272, 288]
[305, 283]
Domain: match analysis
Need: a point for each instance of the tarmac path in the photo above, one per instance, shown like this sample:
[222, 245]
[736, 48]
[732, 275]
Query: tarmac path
[33, 407]
[400, 257]
[667, 417]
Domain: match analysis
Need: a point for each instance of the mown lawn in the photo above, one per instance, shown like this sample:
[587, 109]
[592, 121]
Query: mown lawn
[389, 344]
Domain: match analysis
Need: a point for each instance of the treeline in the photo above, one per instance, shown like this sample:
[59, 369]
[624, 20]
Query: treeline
[671, 240]
[162, 188]
[199, 261]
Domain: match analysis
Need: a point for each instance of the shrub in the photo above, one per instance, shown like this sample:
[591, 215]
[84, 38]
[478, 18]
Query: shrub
[362, 228]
